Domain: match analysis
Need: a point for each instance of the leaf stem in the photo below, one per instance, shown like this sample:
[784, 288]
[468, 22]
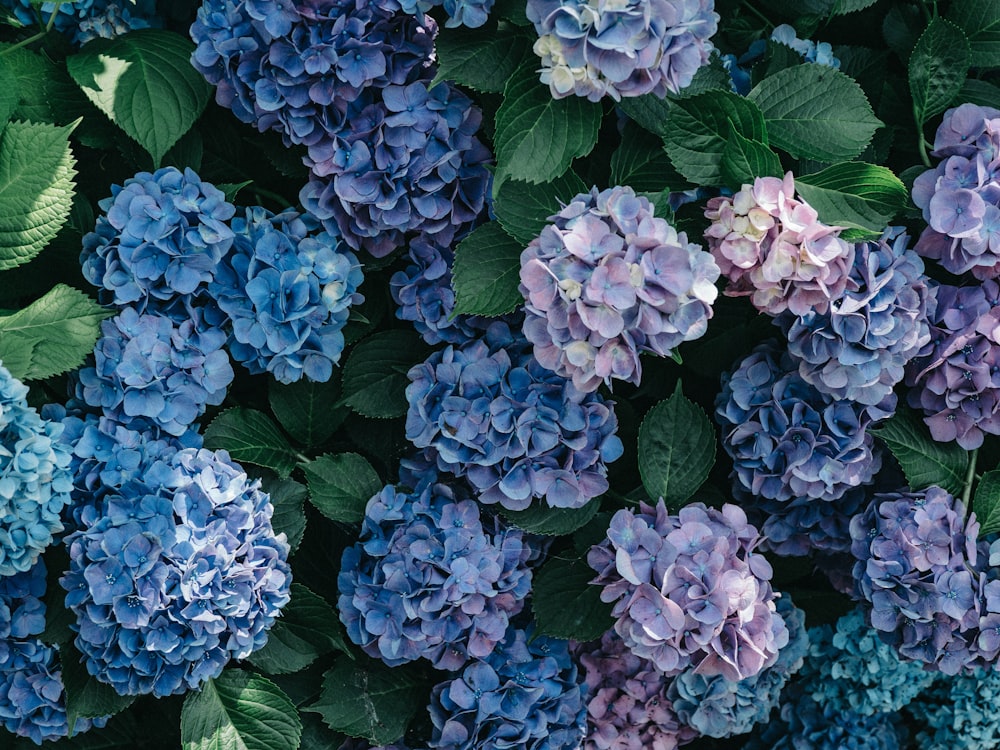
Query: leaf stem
[52, 18]
[757, 13]
[39, 35]
[969, 476]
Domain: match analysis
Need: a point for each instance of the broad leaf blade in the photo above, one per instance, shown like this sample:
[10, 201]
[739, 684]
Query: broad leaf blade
[854, 195]
[565, 603]
[924, 461]
[743, 160]
[482, 59]
[980, 20]
[86, 696]
[374, 383]
[341, 485]
[523, 209]
[288, 498]
[539, 519]
[487, 271]
[251, 437]
[937, 68]
[306, 409]
[307, 629]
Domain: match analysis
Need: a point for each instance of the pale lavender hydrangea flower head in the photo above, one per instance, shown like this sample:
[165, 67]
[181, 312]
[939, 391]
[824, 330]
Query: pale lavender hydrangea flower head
[774, 249]
[606, 280]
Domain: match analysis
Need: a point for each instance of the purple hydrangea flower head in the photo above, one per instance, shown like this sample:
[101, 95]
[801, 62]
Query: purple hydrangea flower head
[959, 713]
[715, 706]
[627, 703]
[287, 288]
[516, 430]
[690, 590]
[857, 349]
[787, 439]
[605, 280]
[180, 573]
[431, 577]
[83, 20]
[919, 572]
[161, 238]
[523, 694]
[956, 379]
[774, 249]
[406, 159]
[595, 49]
[151, 372]
[35, 478]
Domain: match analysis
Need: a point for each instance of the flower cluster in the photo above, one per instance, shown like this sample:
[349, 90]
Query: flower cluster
[35, 478]
[605, 280]
[112, 22]
[150, 372]
[960, 198]
[471, 13]
[492, 413]
[920, 575]
[956, 380]
[594, 49]
[690, 590]
[773, 248]
[856, 350]
[959, 713]
[160, 240]
[83, 20]
[810, 51]
[179, 574]
[429, 577]
[789, 441]
[286, 287]
[523, 694]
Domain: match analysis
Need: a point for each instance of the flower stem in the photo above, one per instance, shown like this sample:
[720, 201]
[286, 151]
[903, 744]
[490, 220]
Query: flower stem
[35, 37]
[969, 476]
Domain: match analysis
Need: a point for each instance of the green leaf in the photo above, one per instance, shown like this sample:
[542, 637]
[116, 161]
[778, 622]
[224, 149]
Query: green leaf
[924, 460]
[815, 112]
[744, 159]
[369, 700]
[523, 209]
[710, 77]
[232, 189]
[86, 697]
[375, 381]
[843, 7]
[979, 92]
[855, 195]
[251, 437]
[36, 188]
[937, 68]
[305, 409]
[340, 485]
[980, 20]
[486, 272]
[986, 503]
[288, 498]
[144, 82]
[541, 519]
[9, 94]
[52, 335]
[641, 163]
[566, 604]
[648, 111]
[482, 59]
[698, 129]
[676, 449]
[537, 137]
[239, 711]
[307, 629]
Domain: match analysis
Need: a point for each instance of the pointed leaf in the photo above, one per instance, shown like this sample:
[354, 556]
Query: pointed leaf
[251, 437]
[855, 195]
[552, 521]
[566, 604]
[341, 485]
[523, 209]
[744, 159]
[924, 461]
[487, 271]
[482, 59]
[641, 163]
[288, 498]
[374, 383]
[306, 409]
[980, 20]
[86, 696]
[937, 68]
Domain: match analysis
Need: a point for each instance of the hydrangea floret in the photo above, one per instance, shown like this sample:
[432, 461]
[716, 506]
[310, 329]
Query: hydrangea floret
[180, 573]
[431, 577]
[606, 280]
[83, 20]
[525, 693]
[287, 287]
[959, 713]
[518, 431]
[594, 49]
[773, 248]
[690, 590]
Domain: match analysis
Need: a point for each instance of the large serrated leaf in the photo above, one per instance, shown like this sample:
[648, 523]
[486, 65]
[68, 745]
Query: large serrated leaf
[986, 503]
[855, 195]
[306, 409]
[86, 696]
[523, 209]
[288, 498]
[487, 271]
[565, 603]
[743, 160]
[341, 485]
[482, 59]
[815, 112]
[924, 461]
[239, 711]
[980, 20]
[37, 168]
[307, 629]
[374, 383]
[541, 519]
[52, 335]
[144, 82]
[641, 163]
[937, 68]
[252, 437]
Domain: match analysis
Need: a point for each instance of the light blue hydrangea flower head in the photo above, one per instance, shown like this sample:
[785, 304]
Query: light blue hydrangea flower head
[150, 372]
[35, 478]
[606, 280]
[179, 574]
[594, 49]
[816, 52]
[516, 430]
[160, 239]
[471, 13]
[83, 20]
[523, 694]
[690, 590]
[432, 577]
[287, 287]
[959, 713]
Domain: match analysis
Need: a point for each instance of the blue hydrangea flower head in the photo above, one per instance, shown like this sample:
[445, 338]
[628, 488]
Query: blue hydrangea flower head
[606, 280]
[596, 49]
[180, 573]
[821, 52]
[523, 694]
[470, 13]
[83, 20]
[432, 577]
[690, 590]
[516, 430]
[287, 287]
[114, 21]
[151, 372]
[35, 478]
[161, 238]
[959, 713]
[857, 349]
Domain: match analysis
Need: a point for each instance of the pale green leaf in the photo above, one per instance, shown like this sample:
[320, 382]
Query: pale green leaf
[862, 197]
